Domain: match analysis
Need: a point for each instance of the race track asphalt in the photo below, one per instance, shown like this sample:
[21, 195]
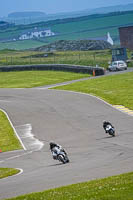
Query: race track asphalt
[73, 120]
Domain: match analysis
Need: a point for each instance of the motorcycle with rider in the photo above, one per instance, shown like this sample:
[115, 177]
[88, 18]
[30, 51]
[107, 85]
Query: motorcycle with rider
[109, 128]
[58, 153]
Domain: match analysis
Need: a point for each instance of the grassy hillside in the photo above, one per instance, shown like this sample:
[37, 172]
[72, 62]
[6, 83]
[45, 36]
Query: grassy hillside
[94, 23]
[86, 34]
[92, 26]
[20, 45]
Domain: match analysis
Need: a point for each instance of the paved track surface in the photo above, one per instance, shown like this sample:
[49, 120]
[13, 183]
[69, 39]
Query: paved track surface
[73, 120]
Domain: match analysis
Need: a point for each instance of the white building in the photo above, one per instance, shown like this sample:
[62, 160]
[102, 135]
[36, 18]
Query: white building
[109, 39]
[36, 34]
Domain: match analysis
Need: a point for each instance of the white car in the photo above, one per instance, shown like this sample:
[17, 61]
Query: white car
[117, 66]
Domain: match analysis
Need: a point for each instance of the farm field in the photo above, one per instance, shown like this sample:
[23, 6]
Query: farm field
[106, 23]
[87, 27]
[20, 45]
[85, 34]
[86, 58]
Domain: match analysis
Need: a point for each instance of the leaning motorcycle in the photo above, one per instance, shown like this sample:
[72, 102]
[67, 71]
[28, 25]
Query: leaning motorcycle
[62, 157]
[110, 130]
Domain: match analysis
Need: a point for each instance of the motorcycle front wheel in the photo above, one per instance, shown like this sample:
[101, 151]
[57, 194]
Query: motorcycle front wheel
[112, 132]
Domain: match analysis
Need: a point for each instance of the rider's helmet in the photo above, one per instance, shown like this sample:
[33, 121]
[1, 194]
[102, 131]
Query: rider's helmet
[105, 122]
[52, 145]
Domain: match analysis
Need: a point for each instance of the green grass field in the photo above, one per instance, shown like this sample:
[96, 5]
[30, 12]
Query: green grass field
[20, 45]
[8, 142]
[8, 139]
[93, 23]
[86, 58]
[112, 188]
[29, 79]
[115, 89]
[5, 172]
[85, 34]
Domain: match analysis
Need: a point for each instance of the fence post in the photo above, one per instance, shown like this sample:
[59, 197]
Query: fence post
[79, 56]
[11, 60]
[30, 59]
[93, 72]
[6, 61]
[54, 58]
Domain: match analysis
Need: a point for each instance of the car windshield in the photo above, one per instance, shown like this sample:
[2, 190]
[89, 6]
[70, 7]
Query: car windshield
[120, 63]
[114, 63]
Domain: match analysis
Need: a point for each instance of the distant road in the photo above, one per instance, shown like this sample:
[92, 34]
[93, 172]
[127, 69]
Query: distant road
[129, 69]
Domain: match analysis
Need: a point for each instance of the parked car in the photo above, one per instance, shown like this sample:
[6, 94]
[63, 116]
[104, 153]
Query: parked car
[117, 66]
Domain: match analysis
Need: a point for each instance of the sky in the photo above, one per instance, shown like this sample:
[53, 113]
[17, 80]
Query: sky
[54, 6]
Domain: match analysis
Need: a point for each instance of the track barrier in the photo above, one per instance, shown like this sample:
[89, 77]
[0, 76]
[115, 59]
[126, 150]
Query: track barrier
[56, 67]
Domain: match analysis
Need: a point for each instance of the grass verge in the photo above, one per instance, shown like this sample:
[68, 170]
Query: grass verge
[112, 188]
[29, 79]
[8, 140]
[5, 172]
[115, 89]
[86, 58]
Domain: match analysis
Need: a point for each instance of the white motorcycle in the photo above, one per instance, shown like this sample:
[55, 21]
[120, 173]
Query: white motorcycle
[60, 155]
[110, 130]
